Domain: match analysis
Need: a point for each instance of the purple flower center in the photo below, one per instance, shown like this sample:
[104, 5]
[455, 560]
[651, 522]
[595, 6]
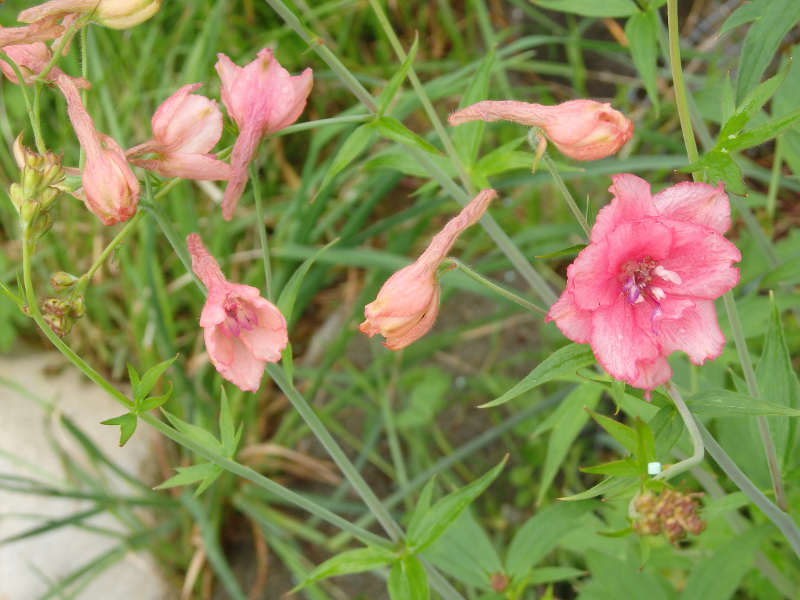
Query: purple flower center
[639, 281]
[239, 315]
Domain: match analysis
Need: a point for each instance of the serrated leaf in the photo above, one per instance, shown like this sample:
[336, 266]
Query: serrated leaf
[408, 581]
[350, 150]
[540, 534]
[625, 435]
[195, 433]
[642, 33]
[154, 401]
[568, 359]
[352, 561]
[763, 133]
[389, 92]
[591, 8]
[616, 468]
[193, 474]
[394, 130]
[127, 426]
[149, 379]
[751, 105]
[467, 137]
[288, 295]
[778, 17]
[571, 250]
[445, 511]
[724, 403]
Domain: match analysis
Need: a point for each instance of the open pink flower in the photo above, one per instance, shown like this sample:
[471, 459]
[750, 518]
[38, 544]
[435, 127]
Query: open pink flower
[580, 129]
[262, 98]
[645, 285]
[110, 189]
[242, 330]
[408, 302]
[185, 128]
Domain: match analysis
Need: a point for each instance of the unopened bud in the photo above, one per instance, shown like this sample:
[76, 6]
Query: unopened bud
[117, 14]
[29, 211]
[61, 280]
[77, 308]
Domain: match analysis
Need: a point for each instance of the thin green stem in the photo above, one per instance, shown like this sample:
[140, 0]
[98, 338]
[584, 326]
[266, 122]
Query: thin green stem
[752, 387]
[494, 287]
[33, 115]
[780, 519]
[678, 84]
[567, 196]
[395, 449]
[694, 434]
[262, 230]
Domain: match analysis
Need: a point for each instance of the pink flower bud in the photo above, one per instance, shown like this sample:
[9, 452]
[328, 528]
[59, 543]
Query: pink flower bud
[116, 14]
[242, 330]
[110, 189]
[407, 304]
[185, 128]
[580, 129]
[262, 98]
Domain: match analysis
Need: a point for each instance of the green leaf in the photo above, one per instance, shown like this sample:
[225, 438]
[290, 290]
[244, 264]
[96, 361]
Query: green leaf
[540, 534]
[728, 101]
[350, 150]
[227, 430]
[542, 575]
[616, 484]
[645, 445]
[777, 381]
[149, 379]
[394, 130]
[623, 580]
[744, 14]
[467, 137]
[408, 581]
[723, 403]
[439, 517]
[591, 8]
[619, 431]
[761, 134]
[389, 92]
[616, 468]
[127, 425]
[186, 475]
[154, 401]
[751, 105]
[565, 251]
[568, 359]
[642, 33]
[718, 166]
[352, 561]
[778, 17]
[667, 428]
[134, 377]
[423, 505]
[288, 295]
[195, 433]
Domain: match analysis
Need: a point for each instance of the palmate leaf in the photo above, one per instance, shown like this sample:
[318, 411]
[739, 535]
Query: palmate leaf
[127, 426]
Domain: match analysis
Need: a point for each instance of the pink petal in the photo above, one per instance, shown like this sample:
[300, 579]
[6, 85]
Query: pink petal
[302, 88]
[243, 151]
[264, 343]
[696, 333]
[652, 374]
[199, 167]
[632, 201]
[573, 322]
[697, 203]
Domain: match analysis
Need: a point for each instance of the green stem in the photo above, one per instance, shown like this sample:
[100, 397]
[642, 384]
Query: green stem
[678, 85]
[780, 519]
[752, 387]
[694, 434]
[262, 230]
[565, 192]
[494, 287]
[33, 115]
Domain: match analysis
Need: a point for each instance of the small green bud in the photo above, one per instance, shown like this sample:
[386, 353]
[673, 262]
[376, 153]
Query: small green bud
[61, 280]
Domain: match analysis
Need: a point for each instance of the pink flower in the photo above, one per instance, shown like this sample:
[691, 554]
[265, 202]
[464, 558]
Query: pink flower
[39, 31]
[645, 285]
[580, 129]
[185, 128]
[242, 331]
[110, 189]
[31, 60]
[262, 98]
[117, 14]
[408, 302]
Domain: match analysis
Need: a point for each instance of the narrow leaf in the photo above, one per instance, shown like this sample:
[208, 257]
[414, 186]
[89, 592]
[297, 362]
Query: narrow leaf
[352, 561]
[195, 433]
[408, 581]
[568, 359]
[389, 92]
[645, 445]
[619, 431]
[150, 377]
[642, 33]
[394, 130]
[723, 403]
[288, 295]
[763, 133]
[591, 8]
[751, 105]
[187, 475]
[154, 401]
[615, 484]
[467, 137]
[617, 468]
[350, 150]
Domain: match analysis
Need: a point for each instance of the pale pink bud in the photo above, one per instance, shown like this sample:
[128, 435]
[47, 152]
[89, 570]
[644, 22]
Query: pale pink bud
[261, 98]
[407, 304]
[31, 60]
[242, 330]
[40, 31]
[580, 129]
[110, 189]
[185, 128]
[116, 14]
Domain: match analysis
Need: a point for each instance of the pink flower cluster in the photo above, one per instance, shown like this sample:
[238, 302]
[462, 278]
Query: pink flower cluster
[645, 285]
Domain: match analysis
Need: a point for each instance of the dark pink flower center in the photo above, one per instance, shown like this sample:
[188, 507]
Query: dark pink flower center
[239, 315]
[643, 279]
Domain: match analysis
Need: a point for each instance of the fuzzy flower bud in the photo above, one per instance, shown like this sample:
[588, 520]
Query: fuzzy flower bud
[61, 313]
[580, 129]
[61, 280]
[407, 304]
[116, 14]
